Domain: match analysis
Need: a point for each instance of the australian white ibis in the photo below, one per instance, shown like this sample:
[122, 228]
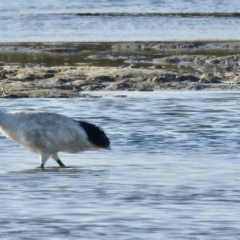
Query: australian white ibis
[48, 133]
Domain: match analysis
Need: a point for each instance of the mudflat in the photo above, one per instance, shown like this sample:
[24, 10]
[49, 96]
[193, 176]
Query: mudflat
[71, 69]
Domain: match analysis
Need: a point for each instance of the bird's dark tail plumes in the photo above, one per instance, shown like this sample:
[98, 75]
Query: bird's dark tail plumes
[95, 135]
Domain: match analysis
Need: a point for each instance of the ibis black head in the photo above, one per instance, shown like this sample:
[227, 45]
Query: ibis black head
[95, 135]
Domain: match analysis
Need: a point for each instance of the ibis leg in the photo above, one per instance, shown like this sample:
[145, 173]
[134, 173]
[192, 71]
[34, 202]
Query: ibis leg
[60, 163]
[43, 158]
[56, 158]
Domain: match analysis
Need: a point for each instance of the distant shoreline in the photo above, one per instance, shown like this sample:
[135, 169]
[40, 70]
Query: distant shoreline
[68, 69]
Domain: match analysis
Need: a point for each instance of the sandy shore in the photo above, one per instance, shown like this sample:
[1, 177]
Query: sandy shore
[27, 69]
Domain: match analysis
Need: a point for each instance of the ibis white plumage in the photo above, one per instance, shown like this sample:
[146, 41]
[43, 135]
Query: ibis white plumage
[48, 133]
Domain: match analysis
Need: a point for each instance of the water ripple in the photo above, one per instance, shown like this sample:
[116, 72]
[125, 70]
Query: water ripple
[173, 172]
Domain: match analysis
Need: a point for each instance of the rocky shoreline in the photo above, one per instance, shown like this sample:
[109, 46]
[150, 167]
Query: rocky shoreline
[118, 66]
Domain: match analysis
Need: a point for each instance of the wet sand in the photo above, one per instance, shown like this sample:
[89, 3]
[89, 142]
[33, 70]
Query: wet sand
[71, 69]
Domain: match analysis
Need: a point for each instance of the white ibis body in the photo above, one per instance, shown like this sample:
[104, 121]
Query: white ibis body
[48, 133]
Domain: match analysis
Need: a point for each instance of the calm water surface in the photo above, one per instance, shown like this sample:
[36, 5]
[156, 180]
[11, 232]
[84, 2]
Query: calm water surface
[108, 20]
[173, 171]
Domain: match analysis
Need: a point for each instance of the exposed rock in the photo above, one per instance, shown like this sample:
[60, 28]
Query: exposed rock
[93, 87]
[48, 75]
[210, 78]
[3, 75]
[189, 78]
[237, 79]
[123, 85]
[104, 78]
[25, 77]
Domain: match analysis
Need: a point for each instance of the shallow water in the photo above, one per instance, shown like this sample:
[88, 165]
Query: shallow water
[172, 173]
[107, 20]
